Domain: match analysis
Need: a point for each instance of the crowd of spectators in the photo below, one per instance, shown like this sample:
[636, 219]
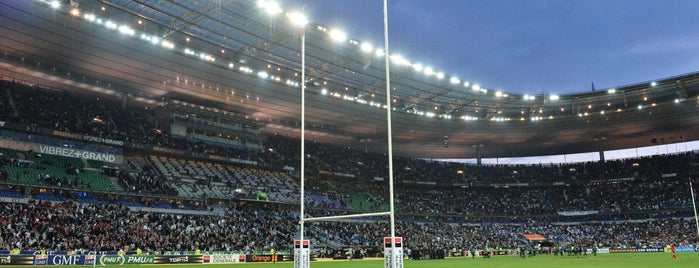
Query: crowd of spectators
[93, 116]
[633, 188]
[73, 226]
[145, 183]
[670, 194]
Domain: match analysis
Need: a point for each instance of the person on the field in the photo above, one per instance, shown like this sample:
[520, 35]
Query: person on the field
[673, 250]
[594, 249]
[486, 253]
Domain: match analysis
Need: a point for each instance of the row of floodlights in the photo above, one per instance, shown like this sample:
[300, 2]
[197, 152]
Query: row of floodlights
[273, 8]
[155, 40]
[301, 20]
[127, 30]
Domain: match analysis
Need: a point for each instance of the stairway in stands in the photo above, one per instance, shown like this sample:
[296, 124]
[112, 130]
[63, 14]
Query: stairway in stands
[15, 113]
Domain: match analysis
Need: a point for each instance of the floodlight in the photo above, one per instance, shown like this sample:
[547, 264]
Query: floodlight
[417, 67]
[168, 44]
[55, 4]
[271, 7]
[454, 80]
[366, 47]
[554, 97]
[111, 25]
[245, 69]
[297, 18]
[379, 52]
[398, 59]
[90, 17]
[126, 30]
[338, 35]
[429, 71]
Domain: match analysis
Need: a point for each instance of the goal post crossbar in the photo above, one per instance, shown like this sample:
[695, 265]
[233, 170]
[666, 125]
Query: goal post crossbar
[326, 218]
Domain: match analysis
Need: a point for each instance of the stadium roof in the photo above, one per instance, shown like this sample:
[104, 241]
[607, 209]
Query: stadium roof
[234, 55]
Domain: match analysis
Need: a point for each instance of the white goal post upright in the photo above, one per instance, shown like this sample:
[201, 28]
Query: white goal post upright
[303, 263]
[391, 212]
[389, 126]
[694, 205]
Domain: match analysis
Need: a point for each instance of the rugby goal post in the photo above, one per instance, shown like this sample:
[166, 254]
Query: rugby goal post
[390, 253]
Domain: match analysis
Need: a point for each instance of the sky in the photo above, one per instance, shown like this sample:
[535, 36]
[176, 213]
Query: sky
[528, 46]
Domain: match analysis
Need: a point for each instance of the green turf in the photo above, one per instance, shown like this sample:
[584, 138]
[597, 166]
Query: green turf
[631, 260]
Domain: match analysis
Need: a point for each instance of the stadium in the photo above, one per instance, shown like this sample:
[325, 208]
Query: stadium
[163, 132]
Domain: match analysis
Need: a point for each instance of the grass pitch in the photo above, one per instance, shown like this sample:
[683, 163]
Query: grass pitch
[622, 260]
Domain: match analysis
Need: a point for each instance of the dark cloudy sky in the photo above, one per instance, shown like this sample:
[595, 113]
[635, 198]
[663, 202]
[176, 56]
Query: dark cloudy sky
[528, 46]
